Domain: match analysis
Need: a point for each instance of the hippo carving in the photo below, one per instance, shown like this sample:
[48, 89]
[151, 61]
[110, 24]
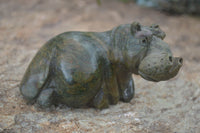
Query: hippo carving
[94, 69]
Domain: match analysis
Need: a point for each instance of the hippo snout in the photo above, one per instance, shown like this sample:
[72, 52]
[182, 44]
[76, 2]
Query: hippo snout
[177, 62]
[159, 67]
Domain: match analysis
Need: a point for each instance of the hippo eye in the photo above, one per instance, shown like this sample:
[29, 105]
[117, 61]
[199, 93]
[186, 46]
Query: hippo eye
[147, 39]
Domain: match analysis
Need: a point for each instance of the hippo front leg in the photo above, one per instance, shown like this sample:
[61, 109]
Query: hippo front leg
[126, 86]
[109, 92]
[100, 101]
[112, 89]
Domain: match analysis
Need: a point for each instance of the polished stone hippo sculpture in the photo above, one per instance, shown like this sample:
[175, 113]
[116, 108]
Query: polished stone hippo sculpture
[94, 69]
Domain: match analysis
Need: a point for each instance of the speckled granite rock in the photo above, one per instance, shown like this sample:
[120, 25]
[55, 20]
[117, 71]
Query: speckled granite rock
[166, 107]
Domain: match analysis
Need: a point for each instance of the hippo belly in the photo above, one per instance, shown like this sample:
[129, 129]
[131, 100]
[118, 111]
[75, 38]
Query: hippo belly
[78, 72]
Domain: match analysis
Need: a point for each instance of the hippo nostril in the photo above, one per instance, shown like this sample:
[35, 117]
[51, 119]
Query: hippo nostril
[180, 60]
[170, 58]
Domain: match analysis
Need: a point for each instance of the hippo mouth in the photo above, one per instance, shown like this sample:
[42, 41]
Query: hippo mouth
[146, 77]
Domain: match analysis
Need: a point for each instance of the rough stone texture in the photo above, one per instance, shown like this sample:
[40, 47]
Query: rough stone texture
[167, 107]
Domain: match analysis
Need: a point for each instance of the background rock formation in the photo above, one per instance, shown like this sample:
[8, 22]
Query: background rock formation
[173, 6]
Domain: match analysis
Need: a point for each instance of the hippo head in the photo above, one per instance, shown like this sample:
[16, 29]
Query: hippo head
[158, 63]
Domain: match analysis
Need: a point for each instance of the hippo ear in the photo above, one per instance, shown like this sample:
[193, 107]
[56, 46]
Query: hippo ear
[154, 26]
[135, 27]
[155, 29]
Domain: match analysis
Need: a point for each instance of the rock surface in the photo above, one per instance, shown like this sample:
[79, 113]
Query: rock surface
[167, 107]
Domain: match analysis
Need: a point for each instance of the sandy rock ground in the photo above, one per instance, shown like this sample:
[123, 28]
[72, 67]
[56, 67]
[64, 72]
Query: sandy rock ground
[166, 107]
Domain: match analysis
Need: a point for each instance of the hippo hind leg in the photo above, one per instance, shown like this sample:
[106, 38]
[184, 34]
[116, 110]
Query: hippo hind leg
[48, 95]
[31, 87]
[37, 75]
